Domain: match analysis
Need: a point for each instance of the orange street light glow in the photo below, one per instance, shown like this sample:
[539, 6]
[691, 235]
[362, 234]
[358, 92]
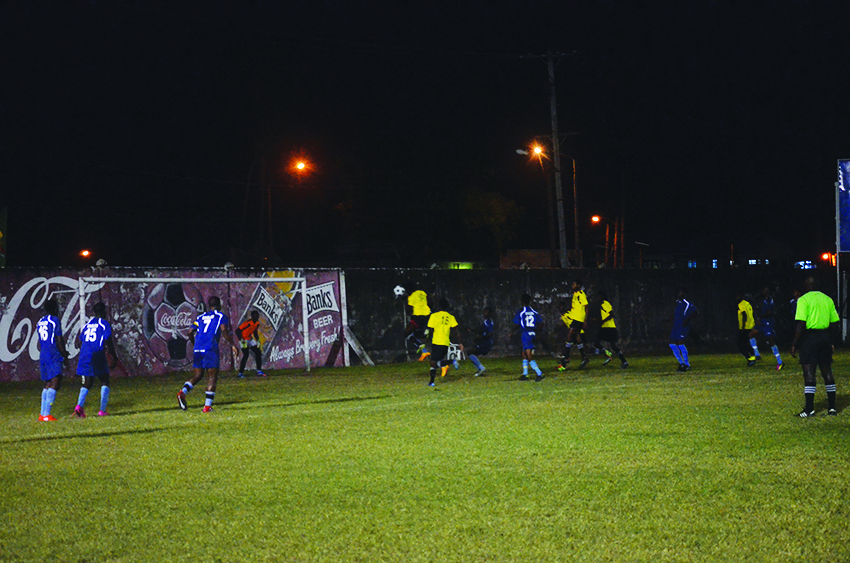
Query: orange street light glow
[595, 218]
[537, 149]
[299, 165]
[85, 253]
[829, 257]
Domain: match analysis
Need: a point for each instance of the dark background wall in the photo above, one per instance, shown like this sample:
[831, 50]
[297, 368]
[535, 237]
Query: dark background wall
[643, 302]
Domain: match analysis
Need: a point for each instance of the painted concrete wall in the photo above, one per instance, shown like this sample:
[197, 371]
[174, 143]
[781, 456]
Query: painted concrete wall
[151, 319]
[643, 301]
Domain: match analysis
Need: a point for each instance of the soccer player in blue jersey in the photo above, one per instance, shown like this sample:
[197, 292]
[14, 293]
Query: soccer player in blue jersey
[683, 314]
[205, 336]
[765, 327]
[483, 341]
[53, 356]
[95, 340]
[527, 320]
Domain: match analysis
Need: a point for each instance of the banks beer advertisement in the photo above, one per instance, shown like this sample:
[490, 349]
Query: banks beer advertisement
[152, 320]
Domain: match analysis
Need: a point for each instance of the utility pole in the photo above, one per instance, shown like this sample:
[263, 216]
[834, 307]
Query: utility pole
[556, 159]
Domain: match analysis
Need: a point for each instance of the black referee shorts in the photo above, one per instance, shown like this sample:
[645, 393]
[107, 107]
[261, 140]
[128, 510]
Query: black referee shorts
[816, 348]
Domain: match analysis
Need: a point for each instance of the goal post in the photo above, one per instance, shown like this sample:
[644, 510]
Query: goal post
[85, 281]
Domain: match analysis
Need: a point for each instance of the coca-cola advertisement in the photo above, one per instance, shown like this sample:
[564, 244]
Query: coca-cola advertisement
[152, 318]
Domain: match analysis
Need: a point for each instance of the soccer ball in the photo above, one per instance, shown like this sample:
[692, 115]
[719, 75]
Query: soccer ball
[398, 290]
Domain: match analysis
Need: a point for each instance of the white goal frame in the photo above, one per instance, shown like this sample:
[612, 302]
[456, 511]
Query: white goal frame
[83, 281]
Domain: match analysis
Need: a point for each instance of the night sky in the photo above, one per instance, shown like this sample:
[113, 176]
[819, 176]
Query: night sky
[141, 129]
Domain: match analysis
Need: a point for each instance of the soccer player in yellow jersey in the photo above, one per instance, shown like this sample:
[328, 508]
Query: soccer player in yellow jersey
[564, 330]
[815, 314]
[746, 322]
[578, 314]
[608, 331]
[443, 326]
[415, 332]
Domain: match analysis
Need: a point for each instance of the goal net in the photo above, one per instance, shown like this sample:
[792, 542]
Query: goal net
[170, 305]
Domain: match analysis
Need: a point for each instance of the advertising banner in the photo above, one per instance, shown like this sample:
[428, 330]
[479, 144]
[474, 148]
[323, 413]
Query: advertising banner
[843, 242]
[152, 320]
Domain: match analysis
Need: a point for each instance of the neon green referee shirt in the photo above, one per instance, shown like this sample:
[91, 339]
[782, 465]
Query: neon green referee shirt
[817, 310]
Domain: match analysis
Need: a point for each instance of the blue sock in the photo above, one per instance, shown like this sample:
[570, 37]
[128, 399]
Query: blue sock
[188, 387]
[104, 397]
[81, 402]
[209, 400]
[536, 369]
[755, 345]
[775, 351]
[43, 402]
[474, 360]
[676, 353]
[51, 397]
[684, 352]
[525, 367]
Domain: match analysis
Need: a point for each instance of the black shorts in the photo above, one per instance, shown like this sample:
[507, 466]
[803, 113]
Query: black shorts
[420, 322]
[578, 325]
[816, 348]
[608, 334]
[439, 352]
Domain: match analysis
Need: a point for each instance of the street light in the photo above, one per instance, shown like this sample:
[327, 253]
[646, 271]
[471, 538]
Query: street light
[296, 167]
[539, 152]
[596, 219]
[617, 237]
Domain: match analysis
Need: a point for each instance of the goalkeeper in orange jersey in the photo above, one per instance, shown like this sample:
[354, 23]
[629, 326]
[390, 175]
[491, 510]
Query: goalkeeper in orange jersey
[248, 340]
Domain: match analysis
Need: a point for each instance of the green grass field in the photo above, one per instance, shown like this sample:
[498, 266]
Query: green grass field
[370, 464]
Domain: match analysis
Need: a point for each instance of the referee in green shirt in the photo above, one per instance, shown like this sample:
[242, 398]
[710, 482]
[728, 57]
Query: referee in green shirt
[815, 312]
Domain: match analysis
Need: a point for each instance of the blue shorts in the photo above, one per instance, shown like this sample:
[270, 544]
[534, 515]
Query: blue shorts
[206, 359]
[528, 340]
[766, 328]
[679, 333]
[95, 366]
[50, 368]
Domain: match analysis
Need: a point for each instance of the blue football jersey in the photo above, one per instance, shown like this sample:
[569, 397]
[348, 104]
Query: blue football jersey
[528, 319]
[485, 331]
[94, 336]
[208, 327]
[683, 310]
[767, 308]
[49, 329]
